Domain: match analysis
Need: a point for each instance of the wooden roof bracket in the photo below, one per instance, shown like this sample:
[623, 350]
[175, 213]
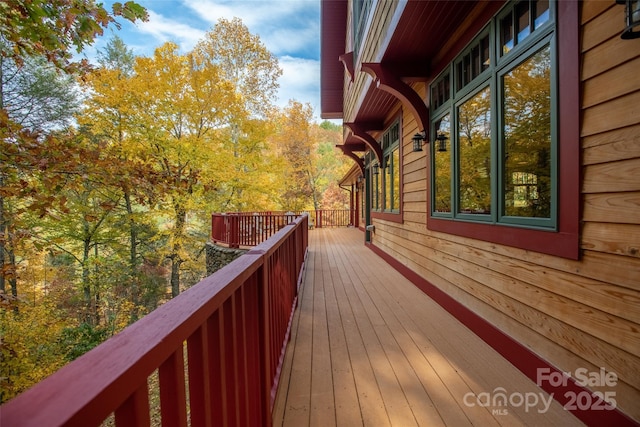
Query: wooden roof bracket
[360, 131]
[347, 61]
[348, 151]
[386, 80]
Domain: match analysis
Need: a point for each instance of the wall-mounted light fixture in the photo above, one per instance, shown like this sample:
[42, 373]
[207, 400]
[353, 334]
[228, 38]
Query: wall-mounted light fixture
[375, 169]
[632, 19]
[442, 142]
[419, 139]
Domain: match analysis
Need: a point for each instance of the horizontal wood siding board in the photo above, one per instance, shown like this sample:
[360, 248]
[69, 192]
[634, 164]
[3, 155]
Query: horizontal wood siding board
[618, 81]
[617, 113]
[614, 269]
[620, 176]
[622, 208]
[619, 144]
[617, 239]
[608, 55]
[592, 9]
[604, 26]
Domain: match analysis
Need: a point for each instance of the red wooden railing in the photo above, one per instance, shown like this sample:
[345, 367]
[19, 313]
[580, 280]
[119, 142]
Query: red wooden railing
[252, 228]
[235, 325]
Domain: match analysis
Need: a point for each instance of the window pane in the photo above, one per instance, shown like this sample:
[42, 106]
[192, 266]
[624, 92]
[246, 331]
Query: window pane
[484, 53]
[506, 36]
[440, 92]
[475, 61]
[396, 179]
[378, 178]
[442, 167]
[541, 12]
[474, 139]
[527, 138]
[387, 183]
[522, 18]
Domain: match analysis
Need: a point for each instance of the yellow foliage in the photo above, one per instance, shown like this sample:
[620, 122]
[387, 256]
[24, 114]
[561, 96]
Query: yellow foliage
[28, 346]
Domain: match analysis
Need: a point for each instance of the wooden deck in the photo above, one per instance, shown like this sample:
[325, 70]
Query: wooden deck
[369, 348]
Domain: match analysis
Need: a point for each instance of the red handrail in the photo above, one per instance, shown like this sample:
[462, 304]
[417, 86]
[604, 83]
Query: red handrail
[248, 229]
[235, 324]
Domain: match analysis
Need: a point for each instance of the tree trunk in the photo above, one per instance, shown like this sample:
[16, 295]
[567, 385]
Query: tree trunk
[133, 257]
[176, 260]
[3, 233]
[86, 287]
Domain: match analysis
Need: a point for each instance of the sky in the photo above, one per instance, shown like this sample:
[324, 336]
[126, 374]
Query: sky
[290, 29]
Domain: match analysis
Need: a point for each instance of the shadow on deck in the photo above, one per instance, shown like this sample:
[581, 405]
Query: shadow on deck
[369, 348]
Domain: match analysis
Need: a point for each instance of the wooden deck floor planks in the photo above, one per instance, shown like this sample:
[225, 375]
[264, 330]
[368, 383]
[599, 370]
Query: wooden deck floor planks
[368, 348]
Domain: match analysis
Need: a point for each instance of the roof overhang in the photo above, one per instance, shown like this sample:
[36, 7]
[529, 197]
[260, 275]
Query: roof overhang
[424, 38]
[333, 25]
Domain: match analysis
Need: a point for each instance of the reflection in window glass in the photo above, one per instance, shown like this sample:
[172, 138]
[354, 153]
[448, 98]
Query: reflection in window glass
[474, 62]
[516, 26]
[396, 179]
[506, 36]
[522, 12]
[541, 13]
[387, 183]
[440, 92]
[363, 207]
[442, 167]
[484, 53]
[474, 147]
[378, 189]
[527, 137]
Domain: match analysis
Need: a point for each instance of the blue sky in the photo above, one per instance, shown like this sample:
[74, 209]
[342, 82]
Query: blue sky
[290, 29]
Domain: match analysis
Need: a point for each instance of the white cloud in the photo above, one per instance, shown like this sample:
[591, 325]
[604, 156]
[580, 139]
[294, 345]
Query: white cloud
[283, 26]
[164, 29]
[290, 40]
[300, 80]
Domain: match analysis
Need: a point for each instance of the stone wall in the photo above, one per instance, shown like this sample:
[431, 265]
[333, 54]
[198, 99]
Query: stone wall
[219, 256]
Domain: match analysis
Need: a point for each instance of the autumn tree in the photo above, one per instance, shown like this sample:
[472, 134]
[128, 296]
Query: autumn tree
[253, 72]
[36, 156]
[295, 142]
[108, 117]
[54, 30]
[181, 102]
[34, 98]
[29, 33]
[331, 166]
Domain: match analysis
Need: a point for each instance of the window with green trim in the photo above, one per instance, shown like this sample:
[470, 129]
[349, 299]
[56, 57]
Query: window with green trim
[391, 152]
[494, 158]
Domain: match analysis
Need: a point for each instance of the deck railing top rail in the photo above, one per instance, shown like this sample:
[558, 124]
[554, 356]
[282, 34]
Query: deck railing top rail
[235, 326]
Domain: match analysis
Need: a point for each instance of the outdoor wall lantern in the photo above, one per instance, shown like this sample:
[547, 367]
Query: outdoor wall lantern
[632, 19]
[376, 169]
[442, 142]
[418, 139]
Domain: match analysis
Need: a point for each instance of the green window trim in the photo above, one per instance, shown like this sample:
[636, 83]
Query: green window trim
[500, 164]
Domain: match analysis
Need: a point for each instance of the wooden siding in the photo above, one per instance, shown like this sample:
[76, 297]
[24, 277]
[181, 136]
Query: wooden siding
[574, 314]
[372, 40]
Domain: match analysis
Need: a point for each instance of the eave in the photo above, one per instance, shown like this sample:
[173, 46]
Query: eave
[424, 37]
[333, 23]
